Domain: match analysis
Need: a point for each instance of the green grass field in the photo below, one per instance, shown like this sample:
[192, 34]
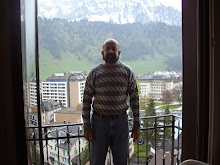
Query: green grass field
[69, 62]
[172, 107]
[142, 150]
[148, 65]
[159, 104]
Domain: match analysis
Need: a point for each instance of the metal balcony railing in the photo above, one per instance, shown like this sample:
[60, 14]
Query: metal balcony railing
[159, 143]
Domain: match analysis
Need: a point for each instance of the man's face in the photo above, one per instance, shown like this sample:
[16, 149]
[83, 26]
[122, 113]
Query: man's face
[110, 52]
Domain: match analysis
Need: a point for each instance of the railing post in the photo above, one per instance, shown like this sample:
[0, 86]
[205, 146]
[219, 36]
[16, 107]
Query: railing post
[164, 136]
[178, 161]
[137, 141]
[35, 153]
[173, 132]
[68, 141]
[58, 148]
[79, 147]
[147, 161]
[89, 152]
[155, 139]
[46, 138]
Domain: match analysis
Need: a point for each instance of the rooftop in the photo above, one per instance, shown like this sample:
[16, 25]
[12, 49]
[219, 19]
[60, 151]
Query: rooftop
[62, 132]
[161, 76]
[51, 105]
[73, 76]
[70, 110]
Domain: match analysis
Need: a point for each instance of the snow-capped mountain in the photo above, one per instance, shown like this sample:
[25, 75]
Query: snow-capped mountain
[114, 11]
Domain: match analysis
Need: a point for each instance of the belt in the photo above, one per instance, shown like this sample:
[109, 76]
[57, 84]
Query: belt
[108, 116]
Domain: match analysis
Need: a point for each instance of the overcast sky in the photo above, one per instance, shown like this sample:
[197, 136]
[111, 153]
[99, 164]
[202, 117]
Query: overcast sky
[174, 3]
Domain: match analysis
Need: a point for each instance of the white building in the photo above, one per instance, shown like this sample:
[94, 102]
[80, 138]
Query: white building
[60, 151]
[49, 108]
[152, 85]
[30, 93]
[66, 88]
[32, 119]
[33, 94]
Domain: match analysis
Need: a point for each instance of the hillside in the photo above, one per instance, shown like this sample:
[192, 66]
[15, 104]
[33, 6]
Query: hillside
[67, 46]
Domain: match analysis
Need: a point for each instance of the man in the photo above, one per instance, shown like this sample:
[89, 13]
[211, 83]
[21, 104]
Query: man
[108, 86]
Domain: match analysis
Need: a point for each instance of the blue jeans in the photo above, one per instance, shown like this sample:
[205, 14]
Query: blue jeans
[111, 132]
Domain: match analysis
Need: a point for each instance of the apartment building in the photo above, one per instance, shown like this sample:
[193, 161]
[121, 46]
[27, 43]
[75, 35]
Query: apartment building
[66, 88]
[30, 93]
[33, 93]
[48, 109]
[62, 152]
[152, 85]
[32, 119]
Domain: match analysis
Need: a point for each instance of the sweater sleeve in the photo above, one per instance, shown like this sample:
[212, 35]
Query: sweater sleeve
[134, 99]
[87, 100]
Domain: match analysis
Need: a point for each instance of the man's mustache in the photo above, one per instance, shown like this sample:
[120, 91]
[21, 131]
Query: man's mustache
[110, 54]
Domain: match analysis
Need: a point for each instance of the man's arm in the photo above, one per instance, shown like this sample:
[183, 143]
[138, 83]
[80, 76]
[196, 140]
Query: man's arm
[87, 101]
[134, 104]
[134, 100]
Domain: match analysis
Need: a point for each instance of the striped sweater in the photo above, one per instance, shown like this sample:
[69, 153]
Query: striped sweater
[107, 89]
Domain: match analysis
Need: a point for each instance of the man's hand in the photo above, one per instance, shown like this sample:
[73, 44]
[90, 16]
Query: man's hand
[88, 135]
[135, 133]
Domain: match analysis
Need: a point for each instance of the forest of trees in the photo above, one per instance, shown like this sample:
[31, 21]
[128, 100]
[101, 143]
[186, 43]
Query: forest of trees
[137, 41]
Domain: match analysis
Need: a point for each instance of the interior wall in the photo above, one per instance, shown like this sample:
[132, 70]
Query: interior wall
[214, 134]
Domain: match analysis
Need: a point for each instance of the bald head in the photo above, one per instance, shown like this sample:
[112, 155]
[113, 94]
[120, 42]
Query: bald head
[110, 40]
[110, 51]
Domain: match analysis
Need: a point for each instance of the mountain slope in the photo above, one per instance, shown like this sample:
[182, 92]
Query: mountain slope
[77, 45]
[85, 38]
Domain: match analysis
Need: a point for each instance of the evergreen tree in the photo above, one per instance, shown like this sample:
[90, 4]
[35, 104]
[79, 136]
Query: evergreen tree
[150, 111]
[168, 121]
[167, 110]
[143, 102]
[138, 86]
[85, 155]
